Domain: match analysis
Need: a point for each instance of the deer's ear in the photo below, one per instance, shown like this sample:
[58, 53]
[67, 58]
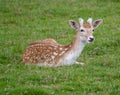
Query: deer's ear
[73, 24]
[97, 23]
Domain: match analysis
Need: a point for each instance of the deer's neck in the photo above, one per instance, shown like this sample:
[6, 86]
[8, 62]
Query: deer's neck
[75, 49]
[77, 45]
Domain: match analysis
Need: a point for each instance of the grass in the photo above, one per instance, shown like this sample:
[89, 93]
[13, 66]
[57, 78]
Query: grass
[24, 21]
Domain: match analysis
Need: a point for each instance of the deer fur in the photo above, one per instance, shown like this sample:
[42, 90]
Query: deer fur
[49, 53]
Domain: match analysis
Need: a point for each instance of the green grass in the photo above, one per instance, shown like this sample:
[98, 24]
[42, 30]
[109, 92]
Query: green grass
[24, 21]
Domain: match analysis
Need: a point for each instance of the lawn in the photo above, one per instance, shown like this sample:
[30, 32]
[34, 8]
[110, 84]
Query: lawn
[25, 21]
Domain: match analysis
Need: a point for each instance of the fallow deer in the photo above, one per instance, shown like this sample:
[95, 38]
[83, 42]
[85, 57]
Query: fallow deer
[49, 53]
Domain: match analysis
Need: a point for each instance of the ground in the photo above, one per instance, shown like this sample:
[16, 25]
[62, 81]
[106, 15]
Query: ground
[25, 21]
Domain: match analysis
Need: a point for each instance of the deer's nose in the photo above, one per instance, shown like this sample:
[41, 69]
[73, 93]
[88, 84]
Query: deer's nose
[91, 39]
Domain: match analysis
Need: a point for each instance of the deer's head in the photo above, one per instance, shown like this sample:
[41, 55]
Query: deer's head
[85, 29]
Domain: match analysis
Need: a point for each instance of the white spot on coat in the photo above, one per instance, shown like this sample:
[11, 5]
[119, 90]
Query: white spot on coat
[61, 48]
[53, 57]
[54, 53]
[62, 53]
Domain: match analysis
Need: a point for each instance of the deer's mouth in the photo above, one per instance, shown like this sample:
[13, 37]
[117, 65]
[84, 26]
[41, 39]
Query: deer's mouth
[90, 41]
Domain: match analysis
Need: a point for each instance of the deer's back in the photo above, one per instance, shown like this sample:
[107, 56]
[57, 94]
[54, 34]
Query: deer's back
[41, 52]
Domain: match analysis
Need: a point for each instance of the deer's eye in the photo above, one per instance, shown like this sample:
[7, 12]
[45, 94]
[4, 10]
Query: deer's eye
[93, 30]
[82, 30]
